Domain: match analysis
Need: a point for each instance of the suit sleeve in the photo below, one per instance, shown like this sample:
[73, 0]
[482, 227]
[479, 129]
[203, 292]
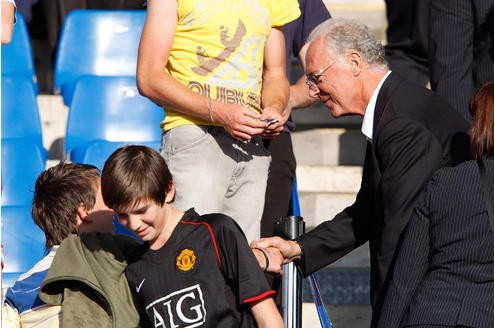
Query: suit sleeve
[348, 230]
[409, 270]
[451, 51]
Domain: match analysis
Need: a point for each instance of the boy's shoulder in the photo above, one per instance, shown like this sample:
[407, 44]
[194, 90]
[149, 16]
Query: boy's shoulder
[115, 246]
[217, 221]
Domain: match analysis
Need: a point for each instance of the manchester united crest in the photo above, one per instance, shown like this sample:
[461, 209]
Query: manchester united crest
[185, 260]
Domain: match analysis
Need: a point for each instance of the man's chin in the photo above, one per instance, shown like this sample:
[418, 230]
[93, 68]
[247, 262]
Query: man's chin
[331, 108]
[332, 112]
[335, 111]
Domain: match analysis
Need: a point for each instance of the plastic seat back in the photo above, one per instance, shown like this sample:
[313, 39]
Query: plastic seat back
[22, 162]
[97, 152]
[17, 56]
[97, 42]
[20, 114]
[111, 109]
[22, 240]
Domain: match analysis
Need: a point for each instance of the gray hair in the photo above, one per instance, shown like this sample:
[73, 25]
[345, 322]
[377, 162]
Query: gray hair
[342, 35]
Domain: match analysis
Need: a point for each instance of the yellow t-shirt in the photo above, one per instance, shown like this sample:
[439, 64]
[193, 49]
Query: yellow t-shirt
[218, 50]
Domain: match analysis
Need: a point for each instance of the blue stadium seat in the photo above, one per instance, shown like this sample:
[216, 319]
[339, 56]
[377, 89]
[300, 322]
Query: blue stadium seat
[23, 242]
[17, 56]
[97, 42]
[20, 114]
[120, 229]
[22, 162]
[97, 152]
[110, 109]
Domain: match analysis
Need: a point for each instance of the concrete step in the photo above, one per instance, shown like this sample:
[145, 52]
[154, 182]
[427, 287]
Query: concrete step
[53, 114]
[344, 145]
[328, 179]
[318, 116]
[325, 191]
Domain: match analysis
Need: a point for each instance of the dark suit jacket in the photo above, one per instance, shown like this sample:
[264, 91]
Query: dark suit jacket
[460, 49]
[415, 133]
[444, 270]
[407, 38]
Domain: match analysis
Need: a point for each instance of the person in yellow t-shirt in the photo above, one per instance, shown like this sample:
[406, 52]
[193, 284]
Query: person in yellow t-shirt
[218, 69]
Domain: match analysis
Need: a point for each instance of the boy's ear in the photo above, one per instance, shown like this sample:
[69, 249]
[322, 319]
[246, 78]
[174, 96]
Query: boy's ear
[82, 214]
[169, 198]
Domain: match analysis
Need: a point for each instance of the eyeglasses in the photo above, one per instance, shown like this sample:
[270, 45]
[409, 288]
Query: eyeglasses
[313, 79]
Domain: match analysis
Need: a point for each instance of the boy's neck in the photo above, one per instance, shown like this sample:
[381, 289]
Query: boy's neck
[172, 219]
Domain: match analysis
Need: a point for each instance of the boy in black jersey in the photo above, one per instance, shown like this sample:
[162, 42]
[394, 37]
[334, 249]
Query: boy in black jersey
[192, 270]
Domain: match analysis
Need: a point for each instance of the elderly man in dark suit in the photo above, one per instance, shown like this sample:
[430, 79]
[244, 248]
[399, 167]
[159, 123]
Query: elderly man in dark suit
[411, 133]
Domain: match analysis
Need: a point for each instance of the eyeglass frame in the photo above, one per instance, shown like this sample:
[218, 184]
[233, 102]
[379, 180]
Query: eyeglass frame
[313, 79]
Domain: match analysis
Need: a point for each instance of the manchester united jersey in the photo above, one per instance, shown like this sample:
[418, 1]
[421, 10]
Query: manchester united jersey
[204, 276]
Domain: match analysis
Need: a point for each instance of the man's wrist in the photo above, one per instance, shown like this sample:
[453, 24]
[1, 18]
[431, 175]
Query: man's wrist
[298, 254]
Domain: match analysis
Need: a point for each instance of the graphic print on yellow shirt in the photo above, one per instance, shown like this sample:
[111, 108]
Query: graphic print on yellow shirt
[218, 50]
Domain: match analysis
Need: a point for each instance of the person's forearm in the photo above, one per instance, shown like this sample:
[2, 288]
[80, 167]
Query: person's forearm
[299, 91]
[275, 86]
[266, 314]
[299, 95]
[275, 92]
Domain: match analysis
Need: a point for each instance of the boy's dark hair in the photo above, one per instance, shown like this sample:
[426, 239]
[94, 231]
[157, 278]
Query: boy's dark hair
[132, 174]
[57, 194]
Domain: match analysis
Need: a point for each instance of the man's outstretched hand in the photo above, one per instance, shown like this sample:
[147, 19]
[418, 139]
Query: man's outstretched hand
[279, 251]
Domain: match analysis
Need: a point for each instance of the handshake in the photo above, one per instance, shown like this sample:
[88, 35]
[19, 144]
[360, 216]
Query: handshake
[273, 252]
